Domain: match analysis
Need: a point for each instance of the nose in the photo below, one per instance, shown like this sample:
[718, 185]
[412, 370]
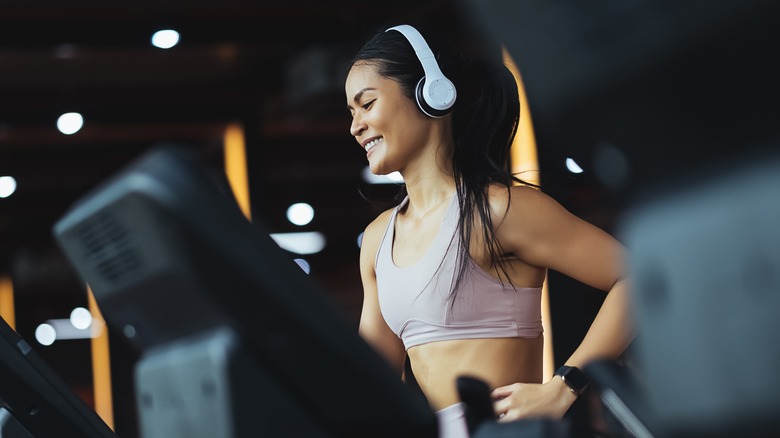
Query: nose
[357, 126]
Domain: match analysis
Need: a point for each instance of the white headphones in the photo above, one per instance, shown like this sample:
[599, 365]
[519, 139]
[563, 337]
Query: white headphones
[435, 93]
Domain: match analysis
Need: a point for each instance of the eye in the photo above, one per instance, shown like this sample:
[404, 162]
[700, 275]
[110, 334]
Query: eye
[368, 104]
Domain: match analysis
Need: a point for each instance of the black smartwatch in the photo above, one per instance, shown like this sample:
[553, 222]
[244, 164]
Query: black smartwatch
[574, 378]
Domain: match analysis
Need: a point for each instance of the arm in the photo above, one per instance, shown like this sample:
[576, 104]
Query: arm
[373, 327]
[541, 232]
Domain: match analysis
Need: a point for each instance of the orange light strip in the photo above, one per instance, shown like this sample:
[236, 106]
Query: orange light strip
[525, 163]
[236, 167]
[525, 160]
[7, 310]
[101, 364]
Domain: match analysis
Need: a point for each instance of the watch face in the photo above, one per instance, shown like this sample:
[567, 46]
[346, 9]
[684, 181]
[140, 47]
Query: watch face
[574, 378]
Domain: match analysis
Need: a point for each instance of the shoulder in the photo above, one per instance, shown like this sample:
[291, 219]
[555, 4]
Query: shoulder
[372, 236]
[516, 203]
[377, 227]
[525, 216]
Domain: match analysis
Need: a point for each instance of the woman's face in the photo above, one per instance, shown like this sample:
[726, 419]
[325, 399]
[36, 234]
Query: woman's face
[386, 123]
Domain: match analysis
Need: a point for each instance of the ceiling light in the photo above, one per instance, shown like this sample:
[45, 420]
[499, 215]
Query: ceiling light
[300, 213]
[7, 186]
[70, 123]
[165, 39]
[573, 166]
[304, 265]
[45, 334]
[81, 318]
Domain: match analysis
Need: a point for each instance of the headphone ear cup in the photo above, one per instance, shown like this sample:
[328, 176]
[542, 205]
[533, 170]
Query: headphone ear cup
[423, 104]
[435, 93]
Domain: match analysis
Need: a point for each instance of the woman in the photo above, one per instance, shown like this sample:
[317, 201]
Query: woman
[452, 276]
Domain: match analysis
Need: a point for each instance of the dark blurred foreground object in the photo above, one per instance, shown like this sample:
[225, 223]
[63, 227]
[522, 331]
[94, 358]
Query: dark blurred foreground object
[475, 395]
[620, 409]
[34, 401]
[236, 340]
[705, 274]
[530, 428]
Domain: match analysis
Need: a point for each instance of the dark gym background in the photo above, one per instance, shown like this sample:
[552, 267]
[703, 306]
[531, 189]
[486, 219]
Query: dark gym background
[274, 67]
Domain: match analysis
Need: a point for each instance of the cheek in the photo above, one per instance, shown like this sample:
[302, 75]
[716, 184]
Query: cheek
[415, 131]
[402, 124]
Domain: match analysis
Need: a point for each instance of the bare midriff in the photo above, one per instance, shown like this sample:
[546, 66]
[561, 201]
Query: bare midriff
[497, 361]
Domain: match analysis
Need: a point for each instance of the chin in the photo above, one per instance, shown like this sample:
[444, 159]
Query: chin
[381, 167]
[377, 169]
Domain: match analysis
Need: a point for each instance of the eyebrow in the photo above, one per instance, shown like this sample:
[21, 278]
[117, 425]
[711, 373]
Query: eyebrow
[359, 94]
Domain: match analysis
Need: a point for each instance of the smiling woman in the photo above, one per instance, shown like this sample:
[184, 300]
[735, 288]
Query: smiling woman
[452, 276]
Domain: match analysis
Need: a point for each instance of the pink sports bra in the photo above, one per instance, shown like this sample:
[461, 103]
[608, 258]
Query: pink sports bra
[416, 304]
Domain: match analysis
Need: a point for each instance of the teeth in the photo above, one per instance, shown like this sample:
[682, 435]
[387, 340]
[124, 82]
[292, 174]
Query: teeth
[372, 143]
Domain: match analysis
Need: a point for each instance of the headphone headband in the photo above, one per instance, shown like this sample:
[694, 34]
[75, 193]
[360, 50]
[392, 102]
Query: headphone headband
[435, 94]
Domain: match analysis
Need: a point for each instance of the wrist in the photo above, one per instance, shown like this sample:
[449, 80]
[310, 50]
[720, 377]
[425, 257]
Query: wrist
[562, 389]
[573, 379]
[563, 398]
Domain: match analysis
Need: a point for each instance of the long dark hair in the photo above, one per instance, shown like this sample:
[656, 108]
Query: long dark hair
[484, 120]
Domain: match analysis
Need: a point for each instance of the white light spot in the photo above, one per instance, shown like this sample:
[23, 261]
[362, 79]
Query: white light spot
[300, 213]
[300, 243]
[360, 240]
[70, 123]
[395, 177]
[80, 318]
[7, 186]
[165, 39]
[45, 334]
[573, 166]
[129, 331]
[304, 265]
[391, 178]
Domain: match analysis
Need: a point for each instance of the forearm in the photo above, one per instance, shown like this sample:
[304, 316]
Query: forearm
[611, 331]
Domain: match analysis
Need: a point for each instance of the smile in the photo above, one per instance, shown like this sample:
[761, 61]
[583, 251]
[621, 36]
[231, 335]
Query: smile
[370, 145]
